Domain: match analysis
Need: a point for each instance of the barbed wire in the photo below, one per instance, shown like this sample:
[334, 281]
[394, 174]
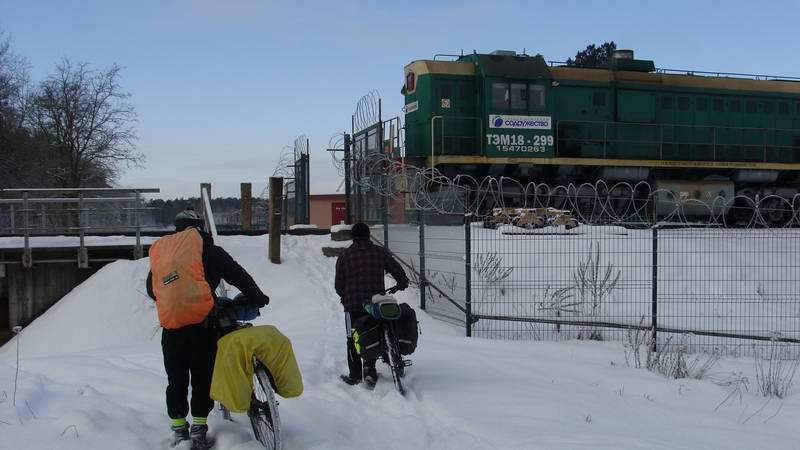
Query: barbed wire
[367, 111]
[300, 146]
[429, 189]
[336, 142]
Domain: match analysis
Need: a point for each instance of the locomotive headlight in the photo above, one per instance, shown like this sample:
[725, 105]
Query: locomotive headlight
[554, 83]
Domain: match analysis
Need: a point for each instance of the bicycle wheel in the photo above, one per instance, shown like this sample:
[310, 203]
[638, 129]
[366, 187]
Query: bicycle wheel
[395, 359]
[263, 411]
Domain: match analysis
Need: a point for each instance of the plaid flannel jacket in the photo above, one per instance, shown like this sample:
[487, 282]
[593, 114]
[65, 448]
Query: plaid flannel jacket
[360, 273]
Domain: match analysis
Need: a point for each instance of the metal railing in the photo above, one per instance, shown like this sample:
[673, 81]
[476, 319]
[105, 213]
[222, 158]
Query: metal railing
[72, 212]
[752, 76]
[476, 136]
[604, 133]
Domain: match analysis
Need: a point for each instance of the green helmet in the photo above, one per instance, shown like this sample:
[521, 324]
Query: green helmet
[188, 218]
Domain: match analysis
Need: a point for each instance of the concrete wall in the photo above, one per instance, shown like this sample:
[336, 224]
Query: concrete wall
[27, 293]
[32, 291]
[5, 326]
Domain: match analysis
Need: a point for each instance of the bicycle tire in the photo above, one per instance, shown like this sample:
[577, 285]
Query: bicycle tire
[394, 359]
[263, 413]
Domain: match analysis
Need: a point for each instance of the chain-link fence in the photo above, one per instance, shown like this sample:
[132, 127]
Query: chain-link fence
[553, 274]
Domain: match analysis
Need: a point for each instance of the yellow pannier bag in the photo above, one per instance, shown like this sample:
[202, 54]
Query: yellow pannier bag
[232, 382]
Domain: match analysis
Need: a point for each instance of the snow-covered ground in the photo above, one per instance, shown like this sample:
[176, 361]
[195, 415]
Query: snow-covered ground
[91, 377]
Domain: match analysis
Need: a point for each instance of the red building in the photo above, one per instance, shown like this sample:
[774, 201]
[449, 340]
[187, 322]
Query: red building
[327, 209]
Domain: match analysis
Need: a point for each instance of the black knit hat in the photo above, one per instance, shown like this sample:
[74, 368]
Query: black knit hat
[188, 218]
[360, 232]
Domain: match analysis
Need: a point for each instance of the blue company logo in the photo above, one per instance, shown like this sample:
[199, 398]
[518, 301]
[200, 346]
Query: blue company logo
[521, 122]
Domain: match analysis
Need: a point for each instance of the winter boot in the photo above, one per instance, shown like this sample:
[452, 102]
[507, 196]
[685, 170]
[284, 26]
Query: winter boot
[180, 434]
[370, 375]
[199, 439]
[350, 379]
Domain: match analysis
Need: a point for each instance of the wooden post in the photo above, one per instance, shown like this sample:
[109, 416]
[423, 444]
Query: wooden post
[247, 206]
[275, 194]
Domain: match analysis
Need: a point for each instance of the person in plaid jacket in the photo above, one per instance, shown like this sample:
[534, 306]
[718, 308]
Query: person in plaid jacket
[359, 275]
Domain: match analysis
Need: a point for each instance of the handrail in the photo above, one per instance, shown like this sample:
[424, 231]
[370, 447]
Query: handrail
[80, 222]
[84, 190]
[660, 142]
[790, 130]
[667, 71]
[479, 135]
[9, 201]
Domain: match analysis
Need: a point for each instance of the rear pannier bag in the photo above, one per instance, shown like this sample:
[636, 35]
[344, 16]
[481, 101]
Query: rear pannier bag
[367, 335]
[407, 329]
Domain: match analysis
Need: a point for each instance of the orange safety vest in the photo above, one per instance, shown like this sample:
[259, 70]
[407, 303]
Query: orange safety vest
[183, 296]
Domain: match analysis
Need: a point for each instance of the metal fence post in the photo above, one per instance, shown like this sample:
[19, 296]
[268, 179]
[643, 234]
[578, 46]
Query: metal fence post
[138, 252]
[654, 307]
[385, 216]
[468, 271]
[13, 219]
[422, 279]
[27, 258]
[83, 254]
[348, 191]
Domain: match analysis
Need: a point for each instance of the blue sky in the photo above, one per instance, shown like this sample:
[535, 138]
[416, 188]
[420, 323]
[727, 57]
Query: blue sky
[221, 86]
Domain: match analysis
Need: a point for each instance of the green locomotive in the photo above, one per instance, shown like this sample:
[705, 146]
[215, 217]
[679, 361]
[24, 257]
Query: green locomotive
[698, 136]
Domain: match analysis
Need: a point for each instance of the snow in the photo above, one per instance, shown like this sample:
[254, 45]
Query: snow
[91, 377]
[340, 227]
[73, 241]
[303, 227]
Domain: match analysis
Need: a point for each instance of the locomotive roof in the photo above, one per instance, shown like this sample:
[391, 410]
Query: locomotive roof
[523, 66]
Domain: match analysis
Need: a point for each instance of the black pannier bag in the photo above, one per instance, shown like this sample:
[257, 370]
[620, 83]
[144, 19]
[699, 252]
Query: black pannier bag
[367, 335]
[406, 329]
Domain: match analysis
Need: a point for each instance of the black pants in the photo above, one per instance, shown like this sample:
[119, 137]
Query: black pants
[353, 359]
[189, 352]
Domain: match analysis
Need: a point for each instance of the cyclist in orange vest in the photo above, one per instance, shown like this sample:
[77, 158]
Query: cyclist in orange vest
[185, 269]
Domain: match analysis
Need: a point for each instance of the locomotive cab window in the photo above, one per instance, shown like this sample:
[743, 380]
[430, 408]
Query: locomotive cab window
[444, 91]
[536, 98]
[410, 82]
[500, 96]
[519, 96]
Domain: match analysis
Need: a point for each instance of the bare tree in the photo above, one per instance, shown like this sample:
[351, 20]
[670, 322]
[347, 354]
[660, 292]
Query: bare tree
[88, 123]
[13, 138]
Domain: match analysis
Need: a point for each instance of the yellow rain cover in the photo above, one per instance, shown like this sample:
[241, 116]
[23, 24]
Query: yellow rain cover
[232, 384]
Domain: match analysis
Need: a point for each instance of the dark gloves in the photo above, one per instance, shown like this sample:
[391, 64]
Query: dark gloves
[399, 287]
[245, 309]
[258, 302]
